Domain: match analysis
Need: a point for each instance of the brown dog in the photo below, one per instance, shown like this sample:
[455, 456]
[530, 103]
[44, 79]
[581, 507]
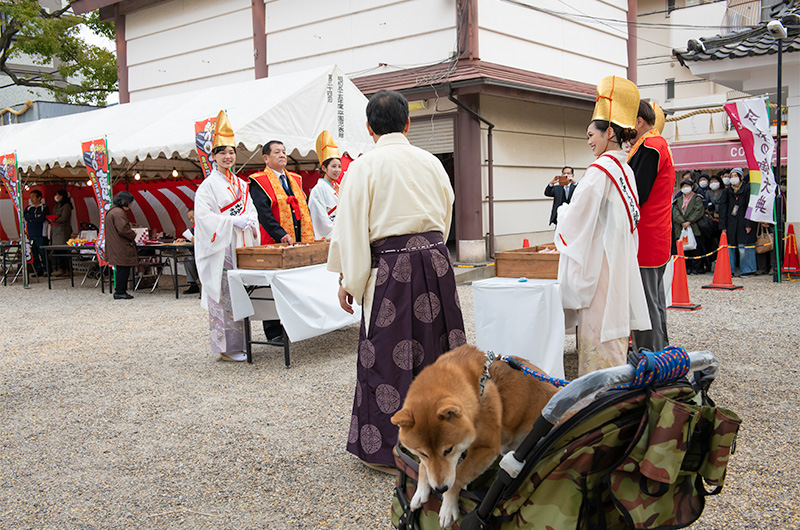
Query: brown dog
[445, 416]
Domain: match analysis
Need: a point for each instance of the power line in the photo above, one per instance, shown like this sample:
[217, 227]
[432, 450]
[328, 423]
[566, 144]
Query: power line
[650, 25]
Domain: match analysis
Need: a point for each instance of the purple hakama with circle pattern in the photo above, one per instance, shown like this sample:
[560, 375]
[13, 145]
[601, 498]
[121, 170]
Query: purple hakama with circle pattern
[416, 316]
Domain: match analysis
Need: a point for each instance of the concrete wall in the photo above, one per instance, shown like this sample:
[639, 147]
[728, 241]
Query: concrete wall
[531, 143]
[359, 35]
[184, 45]
[554, 38]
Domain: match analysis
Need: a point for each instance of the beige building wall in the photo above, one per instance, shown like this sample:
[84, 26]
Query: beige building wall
[363, 37]
[531, 143]
[184, 45]
[659, 33]
[553, 38]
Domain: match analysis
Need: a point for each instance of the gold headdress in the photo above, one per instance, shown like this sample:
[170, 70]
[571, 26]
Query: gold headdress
[223, 133]
[661, 119]
[326, 147]
[617, 101]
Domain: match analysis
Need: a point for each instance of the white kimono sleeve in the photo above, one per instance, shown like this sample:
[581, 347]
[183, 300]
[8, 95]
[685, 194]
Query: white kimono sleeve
[350, 252]
[213, 235]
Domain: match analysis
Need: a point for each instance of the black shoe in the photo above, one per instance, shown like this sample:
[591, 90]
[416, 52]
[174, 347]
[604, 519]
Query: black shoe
[193, 289]
[123, 296]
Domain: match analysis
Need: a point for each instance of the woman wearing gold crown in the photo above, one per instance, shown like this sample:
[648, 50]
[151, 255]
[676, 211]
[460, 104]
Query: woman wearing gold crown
[596, 234]
[324, 198]
[225, 219]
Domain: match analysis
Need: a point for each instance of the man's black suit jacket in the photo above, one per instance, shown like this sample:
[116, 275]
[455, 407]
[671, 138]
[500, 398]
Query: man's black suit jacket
[560, 196]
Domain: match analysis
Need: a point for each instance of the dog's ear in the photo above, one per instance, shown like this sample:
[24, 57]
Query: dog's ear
[403, 419]
[448, 410]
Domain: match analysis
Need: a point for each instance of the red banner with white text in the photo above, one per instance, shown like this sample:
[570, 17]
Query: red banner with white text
[95, 158]
[203, 140]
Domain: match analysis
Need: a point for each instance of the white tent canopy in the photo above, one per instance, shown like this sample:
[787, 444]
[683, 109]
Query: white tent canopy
[293, 108]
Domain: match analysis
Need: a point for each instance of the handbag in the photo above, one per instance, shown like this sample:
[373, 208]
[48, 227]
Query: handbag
[765, 240]
[688, 239]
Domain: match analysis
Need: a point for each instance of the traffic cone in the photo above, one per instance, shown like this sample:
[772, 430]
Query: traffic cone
[680, 284]
[790, 261]
[722, 271]
[526, 243]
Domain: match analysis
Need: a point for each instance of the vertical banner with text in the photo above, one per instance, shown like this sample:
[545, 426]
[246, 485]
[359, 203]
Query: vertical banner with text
[203, 140]
[751, 119]
[9, 175]
[95, 158]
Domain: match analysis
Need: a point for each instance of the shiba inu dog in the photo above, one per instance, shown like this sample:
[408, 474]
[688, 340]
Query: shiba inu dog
[446, 417]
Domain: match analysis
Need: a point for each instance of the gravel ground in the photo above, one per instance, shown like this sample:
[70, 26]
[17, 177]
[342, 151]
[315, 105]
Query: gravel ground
[113, 415]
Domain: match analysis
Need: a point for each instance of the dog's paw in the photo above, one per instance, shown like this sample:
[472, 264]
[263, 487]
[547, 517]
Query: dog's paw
[420, 496]
[448, 514]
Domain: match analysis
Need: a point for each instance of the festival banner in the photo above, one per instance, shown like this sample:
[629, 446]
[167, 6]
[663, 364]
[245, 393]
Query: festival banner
[751, 119]
[203, 140]
[9, 176]
[95, 158]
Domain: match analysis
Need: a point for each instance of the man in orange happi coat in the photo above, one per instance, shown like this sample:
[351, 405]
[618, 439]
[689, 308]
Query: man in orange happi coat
[282, 210]
[651, 161]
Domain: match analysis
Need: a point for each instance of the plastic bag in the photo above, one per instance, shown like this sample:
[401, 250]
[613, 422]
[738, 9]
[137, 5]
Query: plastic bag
[688, 239]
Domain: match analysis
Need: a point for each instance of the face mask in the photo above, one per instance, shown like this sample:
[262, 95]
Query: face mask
[783, 189]
[703, 183]
[714, 186]
[735, 181]
[686, 191]
[726, 180]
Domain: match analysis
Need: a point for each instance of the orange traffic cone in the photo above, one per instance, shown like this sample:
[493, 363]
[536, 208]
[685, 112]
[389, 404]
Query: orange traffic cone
[526, 243]
[680, 285]
[722, 271]
[790, 261]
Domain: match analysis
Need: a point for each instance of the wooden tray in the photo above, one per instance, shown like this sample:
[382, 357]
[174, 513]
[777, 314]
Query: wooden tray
[282, 256]
[528, 262]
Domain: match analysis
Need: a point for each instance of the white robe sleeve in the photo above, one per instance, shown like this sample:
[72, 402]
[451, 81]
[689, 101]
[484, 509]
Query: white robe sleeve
[576, 238]
[320, 201]
[350, 251]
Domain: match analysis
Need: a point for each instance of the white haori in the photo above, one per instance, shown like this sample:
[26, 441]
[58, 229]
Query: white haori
[596, 223]
[322, 203]
[216, 204]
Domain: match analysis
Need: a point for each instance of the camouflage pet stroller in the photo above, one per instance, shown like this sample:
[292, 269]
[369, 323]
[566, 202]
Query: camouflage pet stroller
[643, 454]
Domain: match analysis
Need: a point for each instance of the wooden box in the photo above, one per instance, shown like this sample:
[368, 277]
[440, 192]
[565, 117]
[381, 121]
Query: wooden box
[528, 262]
[282, 256]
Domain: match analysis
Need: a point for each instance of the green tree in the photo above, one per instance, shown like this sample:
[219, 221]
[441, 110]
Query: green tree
[83, 72]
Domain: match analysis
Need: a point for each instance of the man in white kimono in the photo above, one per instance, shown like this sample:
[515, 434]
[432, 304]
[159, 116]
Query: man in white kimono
[596, 235]
[225, 219]
[389, 247]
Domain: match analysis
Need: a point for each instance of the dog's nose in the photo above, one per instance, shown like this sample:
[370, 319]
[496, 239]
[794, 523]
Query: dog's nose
[441, 489]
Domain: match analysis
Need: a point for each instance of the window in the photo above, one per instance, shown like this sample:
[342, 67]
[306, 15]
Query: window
[670, 6]
[670, 89]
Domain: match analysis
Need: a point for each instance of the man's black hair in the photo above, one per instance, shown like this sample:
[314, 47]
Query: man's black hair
[267, 149]
[387, 112]
[646, 112]
[568, 167]
[36, 192]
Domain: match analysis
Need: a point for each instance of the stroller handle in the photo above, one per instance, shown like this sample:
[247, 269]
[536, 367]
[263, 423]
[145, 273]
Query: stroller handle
[595, 382]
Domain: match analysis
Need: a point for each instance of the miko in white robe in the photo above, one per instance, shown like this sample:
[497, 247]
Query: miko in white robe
[322, 203]
[598, 271]
[216, 239]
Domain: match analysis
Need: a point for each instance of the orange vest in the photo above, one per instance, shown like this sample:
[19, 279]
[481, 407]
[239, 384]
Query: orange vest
[282, 205]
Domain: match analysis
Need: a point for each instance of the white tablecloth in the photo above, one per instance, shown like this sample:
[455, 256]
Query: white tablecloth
[306, 299]
[525, 319]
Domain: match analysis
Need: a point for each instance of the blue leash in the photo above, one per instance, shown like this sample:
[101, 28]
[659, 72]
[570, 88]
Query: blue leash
[669, 364]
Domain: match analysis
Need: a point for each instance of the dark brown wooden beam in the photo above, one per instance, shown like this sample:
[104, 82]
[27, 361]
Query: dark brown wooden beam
[260, 38]
[122, 55]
